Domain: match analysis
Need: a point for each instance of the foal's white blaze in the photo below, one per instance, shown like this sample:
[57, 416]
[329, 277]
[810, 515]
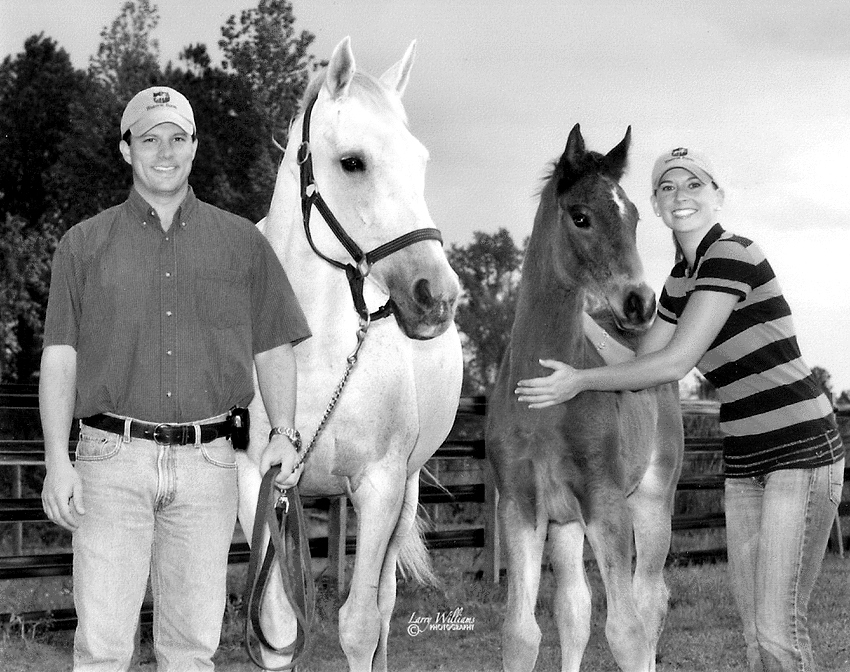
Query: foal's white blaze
[621, 204]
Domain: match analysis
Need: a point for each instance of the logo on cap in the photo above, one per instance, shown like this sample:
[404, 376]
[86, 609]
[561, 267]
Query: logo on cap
[679, 152]
[161, 97]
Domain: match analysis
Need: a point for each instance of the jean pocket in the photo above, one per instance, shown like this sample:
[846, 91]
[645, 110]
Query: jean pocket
[96, 445]
[219, 453]
[836, 481]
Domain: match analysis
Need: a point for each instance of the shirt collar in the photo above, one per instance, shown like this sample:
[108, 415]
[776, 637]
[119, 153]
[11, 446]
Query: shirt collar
[711, 236]
[143, 211]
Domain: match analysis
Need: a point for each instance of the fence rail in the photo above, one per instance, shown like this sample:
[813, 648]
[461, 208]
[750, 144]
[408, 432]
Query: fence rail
[465, 442]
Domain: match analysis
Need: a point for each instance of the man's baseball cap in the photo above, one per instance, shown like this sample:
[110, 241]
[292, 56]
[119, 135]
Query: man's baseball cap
[695, 162]
[154, 106]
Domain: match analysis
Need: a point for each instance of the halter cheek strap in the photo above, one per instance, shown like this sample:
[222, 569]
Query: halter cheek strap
[355, 273]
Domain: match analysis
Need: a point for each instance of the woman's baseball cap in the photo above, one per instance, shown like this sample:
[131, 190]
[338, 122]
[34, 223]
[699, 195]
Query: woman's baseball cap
[154, 106]
[694, 161]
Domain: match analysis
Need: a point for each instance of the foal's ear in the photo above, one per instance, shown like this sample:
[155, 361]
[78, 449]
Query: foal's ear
[398, 75]
[574, 151]
[340, 69]
[618, 157]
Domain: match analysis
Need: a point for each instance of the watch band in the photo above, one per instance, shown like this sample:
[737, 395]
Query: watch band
[290, 433]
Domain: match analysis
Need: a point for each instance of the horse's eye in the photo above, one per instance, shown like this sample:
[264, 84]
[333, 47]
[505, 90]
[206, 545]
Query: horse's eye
[580, 219]
[352, 164]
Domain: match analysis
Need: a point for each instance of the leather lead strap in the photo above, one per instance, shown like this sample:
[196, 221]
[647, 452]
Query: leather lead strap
[289, 549]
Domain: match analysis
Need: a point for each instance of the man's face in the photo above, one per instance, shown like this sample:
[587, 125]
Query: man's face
[161, 160]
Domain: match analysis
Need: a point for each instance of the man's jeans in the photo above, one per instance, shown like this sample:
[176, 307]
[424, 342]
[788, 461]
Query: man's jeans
[162, 511]
[777, 528]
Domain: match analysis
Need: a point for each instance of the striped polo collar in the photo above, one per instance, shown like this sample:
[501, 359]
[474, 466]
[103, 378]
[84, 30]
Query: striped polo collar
[711, 237]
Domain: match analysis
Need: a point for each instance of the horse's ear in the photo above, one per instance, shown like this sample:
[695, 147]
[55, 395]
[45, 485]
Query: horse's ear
[340, 69]
[574, 151]
[617, 158]
[398, 75]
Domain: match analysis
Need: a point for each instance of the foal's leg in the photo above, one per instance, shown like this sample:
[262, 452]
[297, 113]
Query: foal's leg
[402, 536]
[652, 507]
[524, 542]
[378, 502]
[609, 531]
[572, 597]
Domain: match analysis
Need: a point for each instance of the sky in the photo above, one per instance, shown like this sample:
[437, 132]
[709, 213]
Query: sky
[763, 87]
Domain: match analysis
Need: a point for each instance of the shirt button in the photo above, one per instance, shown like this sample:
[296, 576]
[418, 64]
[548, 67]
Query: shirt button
[168, 394]
[168, 313]
[167, 274]
[167, 238]
[182, 223]
[168, 352]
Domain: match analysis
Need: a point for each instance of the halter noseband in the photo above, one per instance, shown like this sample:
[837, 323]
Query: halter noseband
[357, 272]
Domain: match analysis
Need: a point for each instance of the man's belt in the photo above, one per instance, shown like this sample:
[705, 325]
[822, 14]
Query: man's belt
[164, 433]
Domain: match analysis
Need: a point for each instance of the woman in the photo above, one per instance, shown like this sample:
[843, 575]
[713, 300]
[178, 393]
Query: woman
[722, 310]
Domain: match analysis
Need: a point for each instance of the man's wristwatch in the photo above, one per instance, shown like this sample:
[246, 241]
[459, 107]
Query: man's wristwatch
[290, 433]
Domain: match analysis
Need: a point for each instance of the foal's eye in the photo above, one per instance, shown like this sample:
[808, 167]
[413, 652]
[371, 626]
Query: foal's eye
[352, 164]
[580, 219]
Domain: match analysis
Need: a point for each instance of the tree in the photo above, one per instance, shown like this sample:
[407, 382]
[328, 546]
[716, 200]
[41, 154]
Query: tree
[24, 276]
[37, 90]
[127, 58]
[262, 48]
[489, 272]
[824, 380]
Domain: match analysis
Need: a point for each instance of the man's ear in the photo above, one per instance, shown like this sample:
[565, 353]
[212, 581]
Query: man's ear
[125, 151]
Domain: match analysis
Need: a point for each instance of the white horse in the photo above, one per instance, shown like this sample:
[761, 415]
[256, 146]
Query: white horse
[401, 398]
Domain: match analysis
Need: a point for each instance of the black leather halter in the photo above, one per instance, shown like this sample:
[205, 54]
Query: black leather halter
[357, 272]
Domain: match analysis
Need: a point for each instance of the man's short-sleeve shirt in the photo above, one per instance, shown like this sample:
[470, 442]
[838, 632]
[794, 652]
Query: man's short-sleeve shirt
[773, 413]
[166, 324]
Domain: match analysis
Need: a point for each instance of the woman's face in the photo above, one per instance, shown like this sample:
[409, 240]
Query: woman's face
[685, 203]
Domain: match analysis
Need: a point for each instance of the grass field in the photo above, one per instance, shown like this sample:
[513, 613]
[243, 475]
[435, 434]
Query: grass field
[702, 633]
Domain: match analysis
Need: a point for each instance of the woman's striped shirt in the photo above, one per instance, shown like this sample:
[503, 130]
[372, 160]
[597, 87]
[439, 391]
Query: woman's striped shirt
[773, 413]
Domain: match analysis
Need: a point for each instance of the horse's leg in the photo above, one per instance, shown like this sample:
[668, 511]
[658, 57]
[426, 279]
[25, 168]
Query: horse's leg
[276, 616]
[651, 505]
[572, 596]
[378, 501]
[406, 535]
[609, 531]
[524, 541]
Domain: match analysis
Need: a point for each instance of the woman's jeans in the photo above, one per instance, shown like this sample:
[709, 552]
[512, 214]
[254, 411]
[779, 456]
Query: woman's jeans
[777, 529]
[159, 511]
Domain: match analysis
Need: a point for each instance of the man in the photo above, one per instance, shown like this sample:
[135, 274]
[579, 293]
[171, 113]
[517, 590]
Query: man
[158, 308]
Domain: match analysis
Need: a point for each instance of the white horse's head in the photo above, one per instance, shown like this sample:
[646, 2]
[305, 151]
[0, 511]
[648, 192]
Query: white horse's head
[370, 171]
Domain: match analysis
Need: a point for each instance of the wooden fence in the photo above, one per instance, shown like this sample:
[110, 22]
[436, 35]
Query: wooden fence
[21, 446]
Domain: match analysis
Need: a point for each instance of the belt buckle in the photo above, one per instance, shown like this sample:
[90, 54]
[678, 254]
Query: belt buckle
[163, 427]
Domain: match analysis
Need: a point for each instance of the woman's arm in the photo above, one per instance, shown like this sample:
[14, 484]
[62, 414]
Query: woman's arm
[686, 343]
[612, 351]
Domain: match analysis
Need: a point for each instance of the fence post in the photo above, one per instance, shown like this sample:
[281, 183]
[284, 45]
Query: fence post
[492, 543]
[17, 491]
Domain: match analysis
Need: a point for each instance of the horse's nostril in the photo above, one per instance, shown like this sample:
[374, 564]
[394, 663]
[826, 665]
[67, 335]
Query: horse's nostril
[638, 308]
[422, 292]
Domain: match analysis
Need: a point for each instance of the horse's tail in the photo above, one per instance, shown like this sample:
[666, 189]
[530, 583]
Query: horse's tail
[414, 563]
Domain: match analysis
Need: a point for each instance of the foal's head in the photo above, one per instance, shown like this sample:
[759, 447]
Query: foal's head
[585, 229]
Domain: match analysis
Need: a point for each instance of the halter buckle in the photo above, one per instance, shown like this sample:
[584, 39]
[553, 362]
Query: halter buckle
[303, 152]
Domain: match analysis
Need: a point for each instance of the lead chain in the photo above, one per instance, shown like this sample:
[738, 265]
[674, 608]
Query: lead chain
[351, 360]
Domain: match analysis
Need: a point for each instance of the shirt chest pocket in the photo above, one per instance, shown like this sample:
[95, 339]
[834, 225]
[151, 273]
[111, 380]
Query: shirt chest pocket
[222, 299]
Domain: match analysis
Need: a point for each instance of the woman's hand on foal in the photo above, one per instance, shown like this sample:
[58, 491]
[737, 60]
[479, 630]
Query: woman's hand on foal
[559, 386]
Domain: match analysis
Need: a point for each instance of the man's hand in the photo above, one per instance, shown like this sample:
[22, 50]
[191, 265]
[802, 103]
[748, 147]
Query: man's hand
[281, 451]
[62, 496]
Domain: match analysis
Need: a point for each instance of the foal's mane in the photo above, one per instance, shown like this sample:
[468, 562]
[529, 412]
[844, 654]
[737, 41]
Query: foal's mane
[565, 176]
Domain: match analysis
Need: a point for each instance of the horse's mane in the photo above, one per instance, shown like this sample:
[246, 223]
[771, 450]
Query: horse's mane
[370, 88]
